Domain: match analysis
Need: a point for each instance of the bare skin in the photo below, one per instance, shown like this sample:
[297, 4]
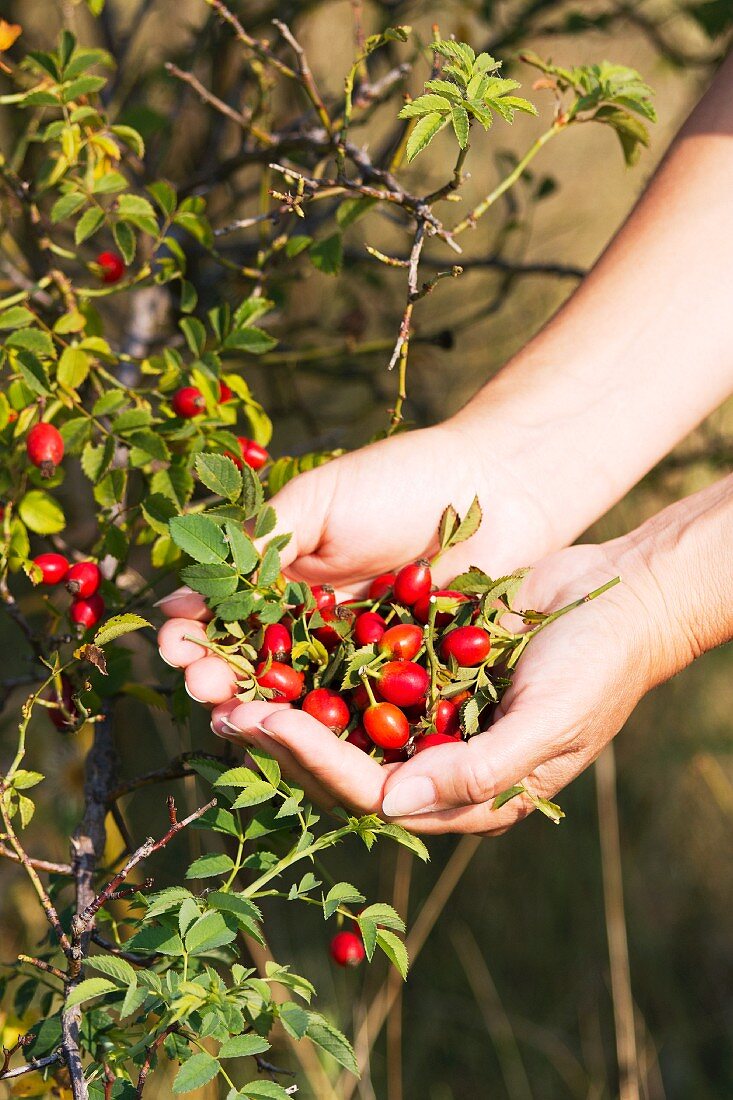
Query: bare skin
[641, 353]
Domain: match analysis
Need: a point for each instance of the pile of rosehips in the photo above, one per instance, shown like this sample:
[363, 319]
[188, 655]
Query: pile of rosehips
[82, 582]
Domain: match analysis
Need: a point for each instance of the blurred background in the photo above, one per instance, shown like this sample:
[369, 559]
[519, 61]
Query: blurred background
[513, 993]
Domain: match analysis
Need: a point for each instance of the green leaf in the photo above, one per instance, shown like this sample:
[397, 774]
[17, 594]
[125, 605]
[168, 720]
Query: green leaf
[423, 133]
[267, 765]
[200, 537]
[41, 513]
[244, 555]
[407, 840]
[219, 473]
[461, 124]
[251, 339]
[343, 893]
[252, 492]
[66, 206]
[208, 932]
[115, 968]
[212, 581]
[394, 949]
[159, 941]
[86, 990]
[506, 796]
[207, 866]
[166, 900]
[33, 340]
[550, 809]
[88, 224]
[17, 317]
[269, 569]
[350, 210]
[158, 512]
[126, 241]
[73, 367]
[328, 255]
[195, 334]
[85, 85]
[332, 1041]
[263, 1090]
[243, 1046]
[119, 625]
[425, 105]
[196, 1072]
[384, 916]
[255, 793]
[33, 372]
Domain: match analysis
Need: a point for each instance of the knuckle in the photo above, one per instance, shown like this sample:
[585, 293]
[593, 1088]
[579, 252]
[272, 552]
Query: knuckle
[478, 778]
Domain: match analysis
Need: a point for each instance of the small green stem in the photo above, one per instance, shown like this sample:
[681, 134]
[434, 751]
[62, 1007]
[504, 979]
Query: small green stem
[509, 181]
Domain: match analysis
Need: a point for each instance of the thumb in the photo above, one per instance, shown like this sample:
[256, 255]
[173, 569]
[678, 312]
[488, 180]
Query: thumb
[449, 776]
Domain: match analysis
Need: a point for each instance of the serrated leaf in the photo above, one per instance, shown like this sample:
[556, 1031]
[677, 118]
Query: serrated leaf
[244, 554]
[88, 224]
[423, 133]
[267, 765]
[89, 988]
[207, 933]
[384, 915]
[119, 625]
[461, 124]
[269, 569]
[243, 1046]
[407, 840]
[263, 1090]
[119, 970]
[41, 513]
[332, 1041]
[166, 900]
[343, 893]
[216, 863]
[254, 794]
[327, 255]
[425, 104]
[550, 809]
[506, 796]
[394, 949]
[195, 1073]
[213, 581]
[219, 473]
[200, 537]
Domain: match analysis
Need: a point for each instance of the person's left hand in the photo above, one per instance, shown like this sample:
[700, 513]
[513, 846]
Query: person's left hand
[573, 690]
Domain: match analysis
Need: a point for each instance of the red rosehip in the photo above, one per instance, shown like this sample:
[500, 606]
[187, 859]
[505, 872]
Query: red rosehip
[430, 740]
[286, 682]
[276, 642]
[386, 725]
[381, 586]
[113, 266]
[45, 448]
[225, 394]
[347, 949]
[402, 641]
[54, 567]
[446, 718]
[403, 683]
[65, 705]
[84, 579]
[327, 635]
[328, 708]
[252, 454]
[394, 756]
[87, 612]
[469, 645]
[188, 402]
[369, 628]
[324, 596]
[421, 609]
[359, 737]
[412, 583]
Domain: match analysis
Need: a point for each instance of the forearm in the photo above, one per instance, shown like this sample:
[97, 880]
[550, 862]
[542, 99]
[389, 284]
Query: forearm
[642, 352]
[680, 567]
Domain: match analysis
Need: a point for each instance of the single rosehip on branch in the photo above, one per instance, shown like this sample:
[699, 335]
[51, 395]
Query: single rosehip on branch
[112, 265]
[403, 683]
[381, 586]
[446, 718]
[45, 448]
[188, 402]
[87, 612]
[54, 567]
[225, 394]
[84, 579]
[251, 454]
[347, 949]
[277, 642]
[369, 628]
[402, 641]
[430, 740]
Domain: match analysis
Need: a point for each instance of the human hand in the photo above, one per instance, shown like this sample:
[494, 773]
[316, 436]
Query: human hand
[571, 693]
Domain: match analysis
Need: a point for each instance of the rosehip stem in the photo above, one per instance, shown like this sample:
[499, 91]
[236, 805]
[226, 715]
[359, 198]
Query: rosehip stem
[363, 672]
[429, 646]
[576, 603]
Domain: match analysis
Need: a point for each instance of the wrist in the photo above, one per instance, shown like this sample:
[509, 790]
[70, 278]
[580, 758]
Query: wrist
[678, 568]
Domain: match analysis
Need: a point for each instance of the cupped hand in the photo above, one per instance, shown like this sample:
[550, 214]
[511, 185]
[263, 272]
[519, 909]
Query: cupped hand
[573, 690]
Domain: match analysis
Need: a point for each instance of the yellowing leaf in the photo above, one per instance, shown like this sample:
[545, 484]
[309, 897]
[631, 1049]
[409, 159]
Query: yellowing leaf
[9, 33]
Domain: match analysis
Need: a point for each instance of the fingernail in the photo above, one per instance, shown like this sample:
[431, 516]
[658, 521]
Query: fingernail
[411, 796]
[268, 733]
[191, 694]
[165, 659]
[178, 594]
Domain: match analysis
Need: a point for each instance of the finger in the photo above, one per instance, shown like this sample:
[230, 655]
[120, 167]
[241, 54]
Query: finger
[301, 513]
[485, 820]
[211, 680]
[351, 777]
[181, 642]
[246, 728]
[469, 773]
[184, 603]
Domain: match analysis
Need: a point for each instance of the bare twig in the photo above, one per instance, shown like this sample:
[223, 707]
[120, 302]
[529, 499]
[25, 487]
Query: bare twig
[41, 964]
[150, 1053]
[32, 1066]
[39, 864]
